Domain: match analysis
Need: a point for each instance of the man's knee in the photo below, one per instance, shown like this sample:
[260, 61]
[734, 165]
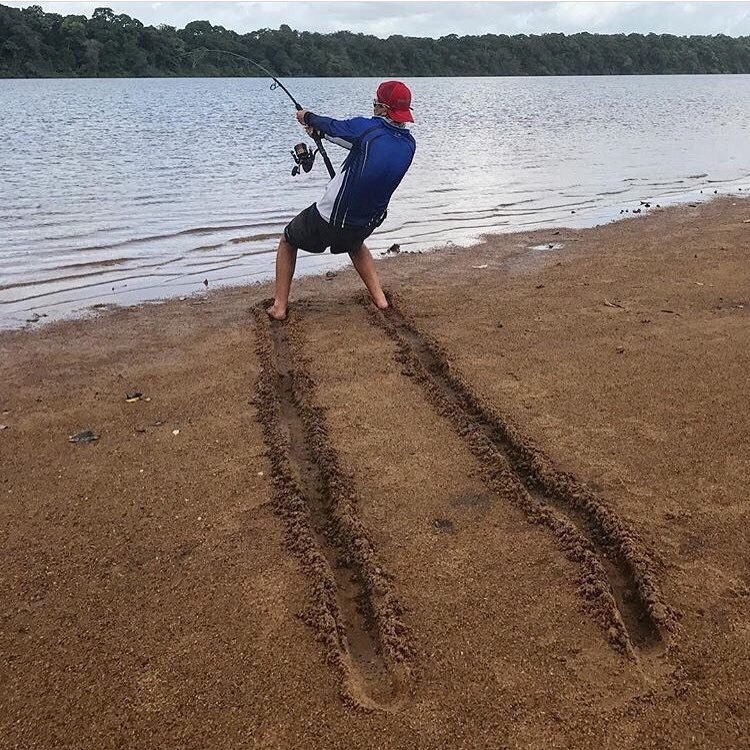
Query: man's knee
[360, 252]
[286, 246]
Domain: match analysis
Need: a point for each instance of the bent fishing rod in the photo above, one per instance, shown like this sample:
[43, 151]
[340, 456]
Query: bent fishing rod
[303, 157]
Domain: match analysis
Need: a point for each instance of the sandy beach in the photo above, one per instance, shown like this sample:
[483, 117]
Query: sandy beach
[510, 513]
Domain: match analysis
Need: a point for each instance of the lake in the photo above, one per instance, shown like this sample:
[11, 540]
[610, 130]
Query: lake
[117, 191]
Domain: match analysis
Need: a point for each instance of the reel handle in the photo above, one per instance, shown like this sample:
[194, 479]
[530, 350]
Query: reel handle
[318, 138]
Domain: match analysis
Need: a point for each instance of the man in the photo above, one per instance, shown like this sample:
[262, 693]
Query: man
[355, 202]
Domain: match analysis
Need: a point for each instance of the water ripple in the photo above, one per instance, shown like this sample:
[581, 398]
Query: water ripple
[197, 190]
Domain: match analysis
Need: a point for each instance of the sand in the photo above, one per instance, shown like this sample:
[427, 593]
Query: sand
[511, 513]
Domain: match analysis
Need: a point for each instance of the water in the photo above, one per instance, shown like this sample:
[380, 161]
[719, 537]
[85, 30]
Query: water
[122, 191]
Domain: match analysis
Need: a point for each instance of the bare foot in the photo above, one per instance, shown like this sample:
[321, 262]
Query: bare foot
[276, 313]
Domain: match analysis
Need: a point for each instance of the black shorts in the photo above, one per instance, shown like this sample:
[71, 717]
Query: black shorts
[310, 231]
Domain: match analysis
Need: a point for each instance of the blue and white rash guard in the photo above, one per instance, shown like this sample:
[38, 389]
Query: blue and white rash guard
[380, 154]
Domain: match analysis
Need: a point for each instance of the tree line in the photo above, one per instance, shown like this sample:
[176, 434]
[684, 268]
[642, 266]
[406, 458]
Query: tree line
[35, 44]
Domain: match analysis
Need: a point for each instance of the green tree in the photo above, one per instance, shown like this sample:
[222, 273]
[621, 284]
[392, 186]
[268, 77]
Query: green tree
[34, 43]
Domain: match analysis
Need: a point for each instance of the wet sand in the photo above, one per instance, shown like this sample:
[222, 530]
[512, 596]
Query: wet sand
[511, 513]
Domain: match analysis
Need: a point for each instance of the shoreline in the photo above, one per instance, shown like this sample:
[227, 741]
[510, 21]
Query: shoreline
[165, 587]
[39, 316]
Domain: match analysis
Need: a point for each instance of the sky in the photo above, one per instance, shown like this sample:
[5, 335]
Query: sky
[435, 19]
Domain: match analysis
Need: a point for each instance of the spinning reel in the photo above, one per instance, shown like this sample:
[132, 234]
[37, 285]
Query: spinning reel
[304, 158]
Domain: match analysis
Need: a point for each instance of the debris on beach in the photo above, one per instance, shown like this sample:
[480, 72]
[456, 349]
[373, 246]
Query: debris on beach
[330, 275]
[133, 396]
[85, 436]
[394, 249]
[549, 246]
[3, 427]
[444, 526]
[479, 268]
[36, 317]
[175, 432]
[613, 304]
[205, 282]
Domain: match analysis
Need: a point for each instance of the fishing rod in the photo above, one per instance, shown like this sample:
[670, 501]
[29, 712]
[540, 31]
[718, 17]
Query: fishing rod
[303, 157]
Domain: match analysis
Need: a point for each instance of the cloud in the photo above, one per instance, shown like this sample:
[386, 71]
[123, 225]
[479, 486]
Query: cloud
[437, 19]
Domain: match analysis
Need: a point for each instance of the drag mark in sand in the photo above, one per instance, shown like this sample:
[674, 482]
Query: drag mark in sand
[617, 580]
[354, 610]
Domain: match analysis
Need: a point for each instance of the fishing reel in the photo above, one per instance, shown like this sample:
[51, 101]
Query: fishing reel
[304, 158]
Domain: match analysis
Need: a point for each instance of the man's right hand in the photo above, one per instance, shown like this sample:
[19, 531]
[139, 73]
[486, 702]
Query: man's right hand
[301, 116]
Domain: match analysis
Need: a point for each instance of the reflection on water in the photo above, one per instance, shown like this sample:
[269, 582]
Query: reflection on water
[120, 191]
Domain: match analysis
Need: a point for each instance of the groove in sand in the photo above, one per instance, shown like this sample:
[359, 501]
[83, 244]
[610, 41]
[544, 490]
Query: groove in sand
[617, 579]
[355, 612]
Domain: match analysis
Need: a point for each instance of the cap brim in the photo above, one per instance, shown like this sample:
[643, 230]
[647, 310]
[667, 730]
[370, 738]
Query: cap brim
[403, 115]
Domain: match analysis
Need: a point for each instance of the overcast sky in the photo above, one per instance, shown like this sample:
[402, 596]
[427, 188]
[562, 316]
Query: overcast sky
[436, 19]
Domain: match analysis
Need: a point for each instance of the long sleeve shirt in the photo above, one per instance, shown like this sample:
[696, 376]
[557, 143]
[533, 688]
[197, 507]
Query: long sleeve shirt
[380, 154]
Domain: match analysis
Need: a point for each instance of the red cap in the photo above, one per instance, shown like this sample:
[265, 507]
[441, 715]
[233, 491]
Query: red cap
[397, 98]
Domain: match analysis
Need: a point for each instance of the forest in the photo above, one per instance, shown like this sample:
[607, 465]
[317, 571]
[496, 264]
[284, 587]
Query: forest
[35, 44]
